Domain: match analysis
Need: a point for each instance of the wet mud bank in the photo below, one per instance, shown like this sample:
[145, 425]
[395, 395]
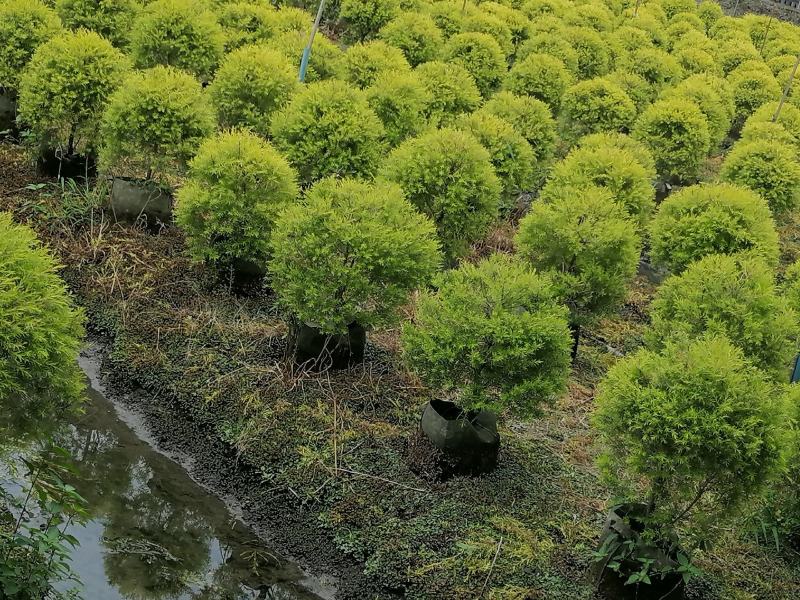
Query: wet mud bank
[282, 523]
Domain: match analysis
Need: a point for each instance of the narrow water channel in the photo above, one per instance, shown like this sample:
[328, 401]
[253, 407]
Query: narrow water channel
[153, 532]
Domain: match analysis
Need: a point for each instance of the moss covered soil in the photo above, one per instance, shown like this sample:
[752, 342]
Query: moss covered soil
[343, 444]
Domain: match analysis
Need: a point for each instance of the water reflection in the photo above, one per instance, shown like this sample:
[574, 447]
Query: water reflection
[155, 534]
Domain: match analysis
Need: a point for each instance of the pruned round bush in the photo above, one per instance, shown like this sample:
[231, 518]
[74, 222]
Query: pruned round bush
[790, 287]
[730, 295]
[294, 19]
[709, 12]
[656, 66]
[674, 7]
[493, 336]
[237, 185]
[530, 117]
[788, 118]
[447, 15]
[751, 89]
[363, 63]
[24, 26]
[245, 23]
[65, 87]
[447, 175]
[481, 56]
[695, 429]
[596, 105]
[109, 18]
[154, 122]
[594, 59]
[767, 131]
[676, 131]
[711, 219]
[451, 89]
[326, 61]
[515, 19]
[625, 142]
[636, 86]
[540, 76]
[329, 129]
[589, 245]
[769, 169]
[251, 84]
[699, 89]
[362, 19]
[696, 60]
[511, 155]
[540, 8]
[485, 23]
[552, 44]
[351, 252]
[177, 33]
[734, 52]
[416, 34]
[614, 169]
[399, 100]
[631, 38]
[594, 16]
[40, 329]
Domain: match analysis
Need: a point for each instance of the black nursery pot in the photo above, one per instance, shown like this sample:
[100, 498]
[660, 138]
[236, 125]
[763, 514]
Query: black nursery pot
[321, 351]
[132, 199]
[469, 440]
[246, 273]
[53, 163]
[8, 111]
[624, 522]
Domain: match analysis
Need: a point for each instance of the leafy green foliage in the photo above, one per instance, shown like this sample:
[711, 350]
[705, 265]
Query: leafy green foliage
[399, 100]
[625, 142]
[485, 23]
[530, 117]
[676, 131]
[636, 86]
[326, 60]
[363, 18]
[448, 176]
[711, 219]
[594, 59]
[40, 329]
[614, 169]
[451, 88]
[788, 119]
[656, 66]
[493, 335]
[730, 295]
[552, 44]
[236, 187]
[511, 155]
[702, 90]
[329, 129]
[481, 56]
[154, 122]
[251, 84]
[109, 18]
[587, 242]
[24, 26]
[177, 33]
[752, 87]
[596, 105]
[246, 23]
[768, 168]
[351, 252]
[365, 62]
[416, 34]
[697, 423]
[541, 76]
[65, 88]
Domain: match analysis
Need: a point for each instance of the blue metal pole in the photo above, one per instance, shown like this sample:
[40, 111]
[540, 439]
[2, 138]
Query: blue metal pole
[307, 49]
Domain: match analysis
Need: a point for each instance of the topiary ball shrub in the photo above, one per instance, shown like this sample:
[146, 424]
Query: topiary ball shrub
[768, 168]
[40, 329]
[364, 63]
[586, 241]
[416, 34]
[252, 83]
[693, 430]
[752, 88]
[625, 142]
[451, 90]
[24, 26]
[614, 169]
[177, 33]
[155, 122]
[329, 129]
[399, 100]
[594, 59]
[656, 66]
[481, 56]
[493, 336]
[512, 157]
[711, 219]
[636, 86]
[702, 90]
[245, 23]
[361, 19]
[788, 119]
[326, 61]
[485, 23]
[551, 44]
[65, 87]
[539, 76]
[109, 18]
[596, 105]
[530, 117]
[237, 185]
[447, 175]
[730, 295]
[676, 131]
[351, 252]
